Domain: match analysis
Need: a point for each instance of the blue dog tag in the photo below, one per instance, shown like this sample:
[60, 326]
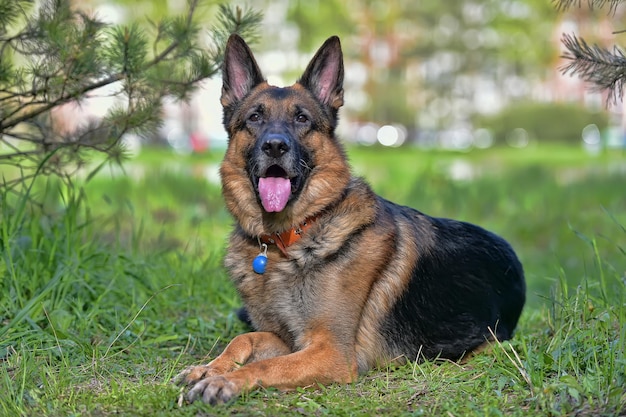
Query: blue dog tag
[260, 262]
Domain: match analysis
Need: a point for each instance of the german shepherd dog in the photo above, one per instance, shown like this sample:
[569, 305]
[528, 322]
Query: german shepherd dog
[335, 279]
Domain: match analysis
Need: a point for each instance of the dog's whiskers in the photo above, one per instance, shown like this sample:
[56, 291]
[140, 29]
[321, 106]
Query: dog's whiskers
[305, 165]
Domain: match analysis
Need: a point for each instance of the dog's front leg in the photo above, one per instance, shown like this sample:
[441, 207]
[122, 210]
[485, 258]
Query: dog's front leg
[245, 348]
[320, 362]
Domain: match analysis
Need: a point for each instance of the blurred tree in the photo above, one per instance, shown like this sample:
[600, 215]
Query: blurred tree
[334, 16]
[595, 64]
[52, 55]
[432, 62]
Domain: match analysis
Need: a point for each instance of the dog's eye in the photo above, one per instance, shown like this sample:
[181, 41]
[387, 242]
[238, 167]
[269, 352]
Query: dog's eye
[254, 117]
[301, 118]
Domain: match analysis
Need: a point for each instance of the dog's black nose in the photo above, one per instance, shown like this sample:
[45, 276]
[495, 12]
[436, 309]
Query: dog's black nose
[275, 145]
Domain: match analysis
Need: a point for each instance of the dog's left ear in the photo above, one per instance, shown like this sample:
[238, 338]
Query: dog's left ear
[324, 74]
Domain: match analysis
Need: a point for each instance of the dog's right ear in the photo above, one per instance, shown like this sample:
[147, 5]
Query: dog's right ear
[240, 72]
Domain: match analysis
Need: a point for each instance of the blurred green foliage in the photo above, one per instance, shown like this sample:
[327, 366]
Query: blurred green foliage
[432, 59]
[547, 122]
[434, 65]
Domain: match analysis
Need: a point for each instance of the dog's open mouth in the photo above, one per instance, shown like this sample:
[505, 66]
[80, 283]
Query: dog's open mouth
[274, 189]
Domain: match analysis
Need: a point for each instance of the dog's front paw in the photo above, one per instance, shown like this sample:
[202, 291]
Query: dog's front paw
[213, 390]
[193, 374]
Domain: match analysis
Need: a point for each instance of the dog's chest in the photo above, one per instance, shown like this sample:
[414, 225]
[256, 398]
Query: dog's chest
[283, 299]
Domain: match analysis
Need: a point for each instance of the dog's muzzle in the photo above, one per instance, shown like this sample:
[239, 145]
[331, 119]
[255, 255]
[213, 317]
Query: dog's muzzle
[276, 170]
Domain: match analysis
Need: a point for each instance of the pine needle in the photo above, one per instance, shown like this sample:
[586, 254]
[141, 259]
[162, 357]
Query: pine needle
[594, 64]
[593, 4]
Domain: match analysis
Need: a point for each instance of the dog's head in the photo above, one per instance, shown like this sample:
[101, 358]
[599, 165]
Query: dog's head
[283, 162]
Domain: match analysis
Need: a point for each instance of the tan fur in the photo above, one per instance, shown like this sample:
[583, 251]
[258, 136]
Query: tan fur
[331, 175]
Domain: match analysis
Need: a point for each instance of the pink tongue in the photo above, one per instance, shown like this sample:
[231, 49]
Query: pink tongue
[274, 193]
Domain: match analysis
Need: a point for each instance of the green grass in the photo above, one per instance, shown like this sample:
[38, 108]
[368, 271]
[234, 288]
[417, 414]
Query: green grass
[120, 285]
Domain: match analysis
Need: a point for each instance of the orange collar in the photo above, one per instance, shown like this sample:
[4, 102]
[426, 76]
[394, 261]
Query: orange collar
[288, 237]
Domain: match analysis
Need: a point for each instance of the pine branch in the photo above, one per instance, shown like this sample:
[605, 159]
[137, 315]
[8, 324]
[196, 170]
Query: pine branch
[187, 24]
[60, 56]
[592, 4]
[599, 66]
[44, 106]
[234, 20]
